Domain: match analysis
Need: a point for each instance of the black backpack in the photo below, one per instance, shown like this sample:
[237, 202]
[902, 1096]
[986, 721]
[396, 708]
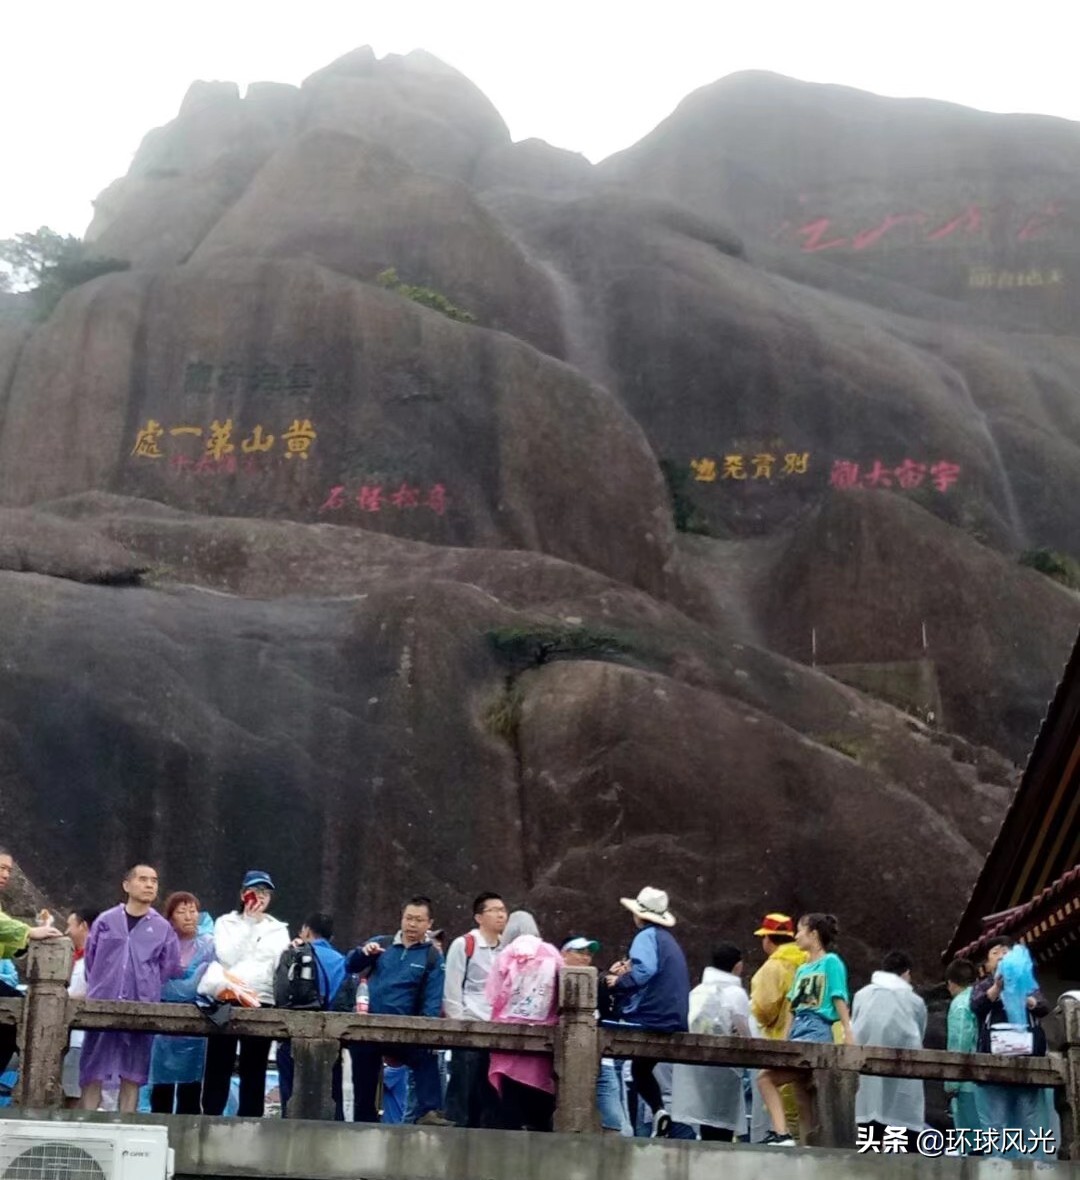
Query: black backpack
[345, 999]
[296, 980]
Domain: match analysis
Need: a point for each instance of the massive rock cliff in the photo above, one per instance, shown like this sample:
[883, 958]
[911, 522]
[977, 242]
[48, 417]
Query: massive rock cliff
[298, 572]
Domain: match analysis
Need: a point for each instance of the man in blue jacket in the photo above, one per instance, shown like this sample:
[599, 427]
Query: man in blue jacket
[317, 932]
[652, 988]
[406, 979]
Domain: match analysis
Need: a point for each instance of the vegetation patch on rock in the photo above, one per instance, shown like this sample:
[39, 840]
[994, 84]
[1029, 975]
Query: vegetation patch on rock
[423, 295]
[1059, 566]
[532, 646]
[48, 265]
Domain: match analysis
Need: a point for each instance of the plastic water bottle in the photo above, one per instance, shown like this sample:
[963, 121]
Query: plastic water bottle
[362, 1000]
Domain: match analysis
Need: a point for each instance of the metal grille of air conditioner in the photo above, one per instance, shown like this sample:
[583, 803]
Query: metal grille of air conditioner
[51, 1161]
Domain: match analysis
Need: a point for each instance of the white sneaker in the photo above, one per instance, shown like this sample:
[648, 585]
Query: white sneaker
[661, 1125]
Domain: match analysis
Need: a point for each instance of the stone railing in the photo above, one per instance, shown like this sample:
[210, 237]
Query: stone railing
[47, 1015]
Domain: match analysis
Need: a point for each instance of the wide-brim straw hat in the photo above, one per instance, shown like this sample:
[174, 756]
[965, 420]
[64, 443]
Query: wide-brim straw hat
[651, 905]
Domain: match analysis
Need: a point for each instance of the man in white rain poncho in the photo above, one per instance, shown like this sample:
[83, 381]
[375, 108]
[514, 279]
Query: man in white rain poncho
[711, 1096]
[888, 1012]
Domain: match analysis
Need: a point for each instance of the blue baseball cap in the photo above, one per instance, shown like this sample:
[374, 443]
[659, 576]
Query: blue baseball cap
[256, 877]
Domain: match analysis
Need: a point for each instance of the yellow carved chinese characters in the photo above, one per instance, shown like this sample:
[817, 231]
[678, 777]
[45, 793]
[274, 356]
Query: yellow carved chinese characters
[763, 466]
[257, 442]
[298, 438]
[987, 278]
[796, 463]
[146, 441]
[222, 443]
[218, 444]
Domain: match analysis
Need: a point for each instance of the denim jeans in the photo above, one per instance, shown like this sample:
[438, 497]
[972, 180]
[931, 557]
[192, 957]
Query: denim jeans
[610, 1100]
[1026, 1108]
[412, 1112]
[811, 1026]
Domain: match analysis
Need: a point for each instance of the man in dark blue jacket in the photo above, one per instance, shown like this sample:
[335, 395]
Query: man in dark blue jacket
[406, 979]
[652, 988]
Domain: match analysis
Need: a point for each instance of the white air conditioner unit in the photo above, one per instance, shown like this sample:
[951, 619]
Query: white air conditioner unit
[45, 1150]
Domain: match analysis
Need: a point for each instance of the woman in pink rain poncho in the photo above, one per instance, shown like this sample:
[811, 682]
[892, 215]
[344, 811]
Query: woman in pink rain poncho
[523, 988]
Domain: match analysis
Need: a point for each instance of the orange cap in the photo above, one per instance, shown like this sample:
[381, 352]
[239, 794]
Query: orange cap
[776, 924]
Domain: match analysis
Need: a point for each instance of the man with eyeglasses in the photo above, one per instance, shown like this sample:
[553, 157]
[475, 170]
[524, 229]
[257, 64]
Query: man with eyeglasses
[471, 1100]
[406, 979]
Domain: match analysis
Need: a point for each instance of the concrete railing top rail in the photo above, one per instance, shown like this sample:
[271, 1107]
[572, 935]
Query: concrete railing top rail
[576, 1043]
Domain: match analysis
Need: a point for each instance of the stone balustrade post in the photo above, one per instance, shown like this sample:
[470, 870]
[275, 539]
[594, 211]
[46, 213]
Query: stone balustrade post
[44, 1033]
[577, 1052]
[1070, 1128]
[314, 1059]
[833, 1093]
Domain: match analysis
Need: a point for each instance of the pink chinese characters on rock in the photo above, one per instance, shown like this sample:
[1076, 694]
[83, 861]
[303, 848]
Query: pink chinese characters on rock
[375, 498]
[906, 476]
[919, 227]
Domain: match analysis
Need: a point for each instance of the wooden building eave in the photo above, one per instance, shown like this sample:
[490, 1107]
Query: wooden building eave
[1039, 840]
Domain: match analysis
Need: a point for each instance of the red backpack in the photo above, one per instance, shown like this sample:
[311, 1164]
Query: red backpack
[470, 950]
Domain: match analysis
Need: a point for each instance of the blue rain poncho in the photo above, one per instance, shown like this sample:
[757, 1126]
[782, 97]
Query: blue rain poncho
[175, 1060]
[1017, 971]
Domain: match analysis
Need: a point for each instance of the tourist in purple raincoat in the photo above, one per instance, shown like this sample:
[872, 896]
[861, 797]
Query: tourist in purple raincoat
[132, 950]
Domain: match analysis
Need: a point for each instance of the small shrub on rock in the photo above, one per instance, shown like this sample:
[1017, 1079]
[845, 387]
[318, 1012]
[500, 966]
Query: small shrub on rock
[1059, 566]
[425, 295]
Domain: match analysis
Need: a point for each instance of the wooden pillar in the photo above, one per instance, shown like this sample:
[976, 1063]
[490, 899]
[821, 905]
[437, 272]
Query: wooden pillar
[833, 1094]
[313, 1069]
[1070, 1128]
[44, 1033]
[577, 1052]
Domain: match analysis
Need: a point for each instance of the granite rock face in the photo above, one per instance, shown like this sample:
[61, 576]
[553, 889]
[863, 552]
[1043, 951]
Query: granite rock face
[934, 253]
[353, 207]
[373, 716]
[282, 389]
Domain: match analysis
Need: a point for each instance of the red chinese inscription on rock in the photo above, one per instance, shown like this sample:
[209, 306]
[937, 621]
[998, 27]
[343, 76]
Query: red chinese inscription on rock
[1021, 225]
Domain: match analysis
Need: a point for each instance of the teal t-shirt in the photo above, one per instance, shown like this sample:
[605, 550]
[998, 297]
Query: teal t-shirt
[818, 985]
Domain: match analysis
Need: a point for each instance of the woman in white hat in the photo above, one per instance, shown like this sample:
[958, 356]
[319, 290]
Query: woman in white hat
[653, 988]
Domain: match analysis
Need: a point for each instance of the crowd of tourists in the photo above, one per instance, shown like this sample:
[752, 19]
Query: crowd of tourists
[504, 970]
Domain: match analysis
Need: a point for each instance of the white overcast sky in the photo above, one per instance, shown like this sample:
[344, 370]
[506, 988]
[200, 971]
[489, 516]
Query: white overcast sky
[81, 82]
